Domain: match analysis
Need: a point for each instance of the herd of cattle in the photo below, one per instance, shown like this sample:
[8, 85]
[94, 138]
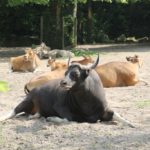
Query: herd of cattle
[73, 91]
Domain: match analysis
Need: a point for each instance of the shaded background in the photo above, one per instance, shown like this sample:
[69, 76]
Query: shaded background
[97, 22]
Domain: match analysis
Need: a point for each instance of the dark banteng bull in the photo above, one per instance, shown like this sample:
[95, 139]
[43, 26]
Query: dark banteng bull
[78, 97]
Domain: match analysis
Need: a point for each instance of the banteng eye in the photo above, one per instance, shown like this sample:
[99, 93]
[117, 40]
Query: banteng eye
[74, 75]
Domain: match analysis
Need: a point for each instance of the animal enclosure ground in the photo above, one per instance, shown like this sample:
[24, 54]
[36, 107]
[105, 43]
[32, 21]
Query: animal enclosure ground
[133, 103]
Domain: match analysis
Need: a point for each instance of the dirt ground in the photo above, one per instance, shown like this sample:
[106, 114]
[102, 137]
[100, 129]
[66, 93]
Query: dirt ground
[133, 103]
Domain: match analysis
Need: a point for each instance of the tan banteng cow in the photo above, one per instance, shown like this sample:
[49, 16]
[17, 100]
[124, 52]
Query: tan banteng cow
[86, 60]
[115, 74]
[27, 62]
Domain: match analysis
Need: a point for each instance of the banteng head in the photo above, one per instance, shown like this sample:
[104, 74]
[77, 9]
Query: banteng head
[135, 60]
[30, 54]
[76, 74]
[51, 63]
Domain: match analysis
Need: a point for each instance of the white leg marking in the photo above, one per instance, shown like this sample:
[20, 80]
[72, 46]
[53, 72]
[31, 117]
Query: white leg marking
[36, 70]
[8, 116]
[57, 120]
[117, 117]
[10, 71]
[35, 116]
[141, 80]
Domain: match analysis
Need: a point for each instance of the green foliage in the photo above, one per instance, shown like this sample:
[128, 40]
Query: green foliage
[109, 19]
[122, 38]
[110, 1]
[3, 86]
[101, 37]
[22, 2]
[82, 52]
[81, 1]
[39, 2]
[122, 1]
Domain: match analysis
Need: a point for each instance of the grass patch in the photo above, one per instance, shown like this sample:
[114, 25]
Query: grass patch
[82, 52]
[142, 104]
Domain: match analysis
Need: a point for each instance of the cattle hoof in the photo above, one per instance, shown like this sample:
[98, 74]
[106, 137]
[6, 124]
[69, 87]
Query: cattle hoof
[35, 116]
[56, 120]
[114, 122]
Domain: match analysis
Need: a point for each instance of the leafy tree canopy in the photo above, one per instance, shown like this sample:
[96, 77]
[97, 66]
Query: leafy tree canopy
[22, 2]
[45, 2]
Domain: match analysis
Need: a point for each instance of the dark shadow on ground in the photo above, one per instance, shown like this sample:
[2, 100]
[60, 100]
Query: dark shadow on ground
[6, 53]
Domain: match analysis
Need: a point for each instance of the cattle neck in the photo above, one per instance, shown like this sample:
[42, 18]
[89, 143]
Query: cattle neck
[82, 87]
[77, 89]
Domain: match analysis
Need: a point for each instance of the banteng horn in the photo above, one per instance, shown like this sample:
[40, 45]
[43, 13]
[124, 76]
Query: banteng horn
[95, 64]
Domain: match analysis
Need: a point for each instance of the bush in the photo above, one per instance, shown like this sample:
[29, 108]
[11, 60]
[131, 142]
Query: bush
[101, 37]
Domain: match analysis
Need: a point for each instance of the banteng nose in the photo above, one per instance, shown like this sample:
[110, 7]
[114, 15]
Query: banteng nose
[25, 57]
[63, 83]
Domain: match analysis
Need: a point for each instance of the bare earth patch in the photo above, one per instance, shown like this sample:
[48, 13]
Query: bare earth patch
[133, 103]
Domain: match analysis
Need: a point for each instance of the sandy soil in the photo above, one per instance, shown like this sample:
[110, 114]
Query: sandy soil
[133, 103]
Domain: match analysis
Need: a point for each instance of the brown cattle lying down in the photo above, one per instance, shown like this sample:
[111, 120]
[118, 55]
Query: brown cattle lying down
[115, 74]
[43, 78]
[86, 60]
[56, 65]
[57, 71]
[61, 65]
[27, 62]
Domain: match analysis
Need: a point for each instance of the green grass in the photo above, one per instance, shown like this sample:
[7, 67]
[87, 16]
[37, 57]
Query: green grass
[83, 52]
[143, 103]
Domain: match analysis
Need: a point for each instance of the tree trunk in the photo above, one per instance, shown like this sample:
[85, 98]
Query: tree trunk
[41, 29]
[58, 22]
[74, 36]
[90, 23]
[58, 14]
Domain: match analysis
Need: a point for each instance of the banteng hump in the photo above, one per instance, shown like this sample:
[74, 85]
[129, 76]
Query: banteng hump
[56, 65]
[79, 97]
[86, 60]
